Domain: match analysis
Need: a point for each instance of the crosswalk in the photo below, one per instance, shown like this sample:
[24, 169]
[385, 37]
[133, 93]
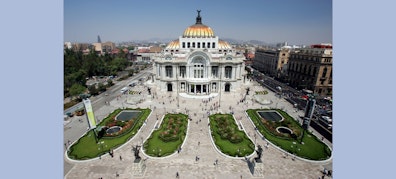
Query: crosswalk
[137, 90]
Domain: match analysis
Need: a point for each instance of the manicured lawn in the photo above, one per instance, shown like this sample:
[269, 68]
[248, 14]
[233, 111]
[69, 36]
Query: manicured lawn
[312, 148]
[228, 138]
[169, 137]
[87, 148]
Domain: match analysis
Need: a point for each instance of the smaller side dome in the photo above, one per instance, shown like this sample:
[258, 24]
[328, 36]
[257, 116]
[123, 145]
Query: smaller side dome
[173, 45]
[223, 45]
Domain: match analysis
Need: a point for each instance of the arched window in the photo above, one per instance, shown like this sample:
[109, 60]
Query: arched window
[198, 67]
[228, 72]
[324, 72]
[182, 71]
[305, 69]
[227, 87]
[315, 70]
[168, 70]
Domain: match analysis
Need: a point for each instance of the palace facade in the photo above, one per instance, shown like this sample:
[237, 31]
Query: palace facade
[198, 63]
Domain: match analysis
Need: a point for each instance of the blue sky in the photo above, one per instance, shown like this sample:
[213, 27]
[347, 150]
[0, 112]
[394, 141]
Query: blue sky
[295, 21]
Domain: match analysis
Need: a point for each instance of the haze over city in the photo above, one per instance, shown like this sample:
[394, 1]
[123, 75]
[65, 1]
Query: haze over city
[296, 22]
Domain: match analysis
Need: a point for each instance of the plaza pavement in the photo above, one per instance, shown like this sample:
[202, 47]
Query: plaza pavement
[275, 163]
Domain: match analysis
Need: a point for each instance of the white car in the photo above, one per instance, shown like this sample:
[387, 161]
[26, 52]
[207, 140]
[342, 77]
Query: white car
[327, 121]
[124, 89]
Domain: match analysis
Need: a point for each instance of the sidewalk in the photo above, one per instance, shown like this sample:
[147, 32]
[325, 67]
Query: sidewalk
[198, 143]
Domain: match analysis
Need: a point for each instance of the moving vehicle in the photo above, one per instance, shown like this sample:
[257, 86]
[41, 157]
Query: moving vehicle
[326, 121]
[132, 84]
[124, 89]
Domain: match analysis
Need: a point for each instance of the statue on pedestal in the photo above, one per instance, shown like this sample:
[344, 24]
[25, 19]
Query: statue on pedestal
[259, 152]
[136, 153]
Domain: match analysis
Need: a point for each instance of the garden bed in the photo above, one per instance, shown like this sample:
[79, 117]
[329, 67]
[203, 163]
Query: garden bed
[87, 147]
[310, 148]
[228, 138]
[169, 137]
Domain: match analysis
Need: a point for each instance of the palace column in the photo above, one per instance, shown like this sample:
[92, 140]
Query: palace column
[233, 72]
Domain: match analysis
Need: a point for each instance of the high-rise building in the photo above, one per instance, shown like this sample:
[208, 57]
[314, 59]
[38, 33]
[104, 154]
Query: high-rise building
[99, 41]
[198, 63]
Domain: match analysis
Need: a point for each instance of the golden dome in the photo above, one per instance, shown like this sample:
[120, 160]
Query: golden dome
[198, 30]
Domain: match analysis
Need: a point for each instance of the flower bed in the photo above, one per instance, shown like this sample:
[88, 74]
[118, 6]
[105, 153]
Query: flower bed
[88, 147]
[310, 147]
[228, 138]
[169, 137]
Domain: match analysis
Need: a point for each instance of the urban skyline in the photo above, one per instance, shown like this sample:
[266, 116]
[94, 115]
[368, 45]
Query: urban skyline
[296, 22]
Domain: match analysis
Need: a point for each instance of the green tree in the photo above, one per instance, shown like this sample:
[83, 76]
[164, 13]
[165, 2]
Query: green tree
[130, 72]
[110, 83]
[93, 90]
[101, 87]
[76, 89]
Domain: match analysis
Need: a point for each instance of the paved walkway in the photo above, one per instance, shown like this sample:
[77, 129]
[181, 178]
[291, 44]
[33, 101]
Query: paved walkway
[198, 143]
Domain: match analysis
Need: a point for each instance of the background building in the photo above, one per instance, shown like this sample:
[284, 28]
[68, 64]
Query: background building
[311, 68]
[272, 62]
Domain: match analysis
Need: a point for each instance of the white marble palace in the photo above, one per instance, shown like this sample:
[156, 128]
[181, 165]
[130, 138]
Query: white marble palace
[198, 63]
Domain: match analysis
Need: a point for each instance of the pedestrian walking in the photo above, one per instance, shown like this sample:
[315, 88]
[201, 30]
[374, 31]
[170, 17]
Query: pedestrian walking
[120, 157]
[177, 174]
